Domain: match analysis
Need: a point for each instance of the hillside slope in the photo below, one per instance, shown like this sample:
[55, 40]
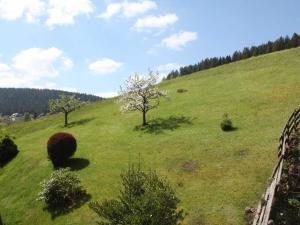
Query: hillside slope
[216, 174]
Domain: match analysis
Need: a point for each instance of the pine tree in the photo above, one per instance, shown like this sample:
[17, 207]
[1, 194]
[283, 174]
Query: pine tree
[145, 199]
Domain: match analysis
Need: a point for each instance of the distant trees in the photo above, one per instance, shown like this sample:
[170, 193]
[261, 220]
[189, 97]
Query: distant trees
[140, 94]
[33, 101]
[65, 104]
[277, 45]
[145, 199]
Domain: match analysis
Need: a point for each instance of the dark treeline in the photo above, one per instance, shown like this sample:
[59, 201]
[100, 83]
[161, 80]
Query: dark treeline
[34, 101]
[271, 46]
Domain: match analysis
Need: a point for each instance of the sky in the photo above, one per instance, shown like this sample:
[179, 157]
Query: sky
[92, 46]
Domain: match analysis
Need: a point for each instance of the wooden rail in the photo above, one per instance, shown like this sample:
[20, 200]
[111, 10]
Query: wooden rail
[263, 210]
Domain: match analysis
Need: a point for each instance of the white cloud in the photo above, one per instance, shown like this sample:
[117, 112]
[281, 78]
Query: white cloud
[67, 63]
[69, 89]
[155, 21]
[128, 9]
[62, 12]
[56, 12]
[30, 66]
[111, 10]
[16, 9]
[107, 94]
[179, 40]
[164, 69]
[104, 66]
[168, 67]
[37, 63]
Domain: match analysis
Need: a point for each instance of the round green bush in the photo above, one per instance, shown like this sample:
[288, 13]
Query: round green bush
[61, 190]
[61, 146]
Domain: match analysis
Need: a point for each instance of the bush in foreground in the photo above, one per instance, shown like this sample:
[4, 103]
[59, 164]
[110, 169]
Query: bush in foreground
[61, 190]
[144, 199]
[61, 146]
[8, 150]
[226, 124]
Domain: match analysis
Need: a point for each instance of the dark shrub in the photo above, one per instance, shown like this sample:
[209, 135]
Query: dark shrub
[61, 190]
[1, 222]
[8, 150]
[61, 146]
[181, 90]
[226, 124]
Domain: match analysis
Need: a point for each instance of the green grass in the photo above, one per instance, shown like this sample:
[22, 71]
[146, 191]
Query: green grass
[232, 167]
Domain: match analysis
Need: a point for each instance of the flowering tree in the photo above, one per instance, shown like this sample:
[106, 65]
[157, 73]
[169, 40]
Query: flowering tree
[65, 104]
[140, 94]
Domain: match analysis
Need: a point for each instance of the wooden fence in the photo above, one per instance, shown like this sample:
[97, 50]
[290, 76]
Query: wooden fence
[264, 207]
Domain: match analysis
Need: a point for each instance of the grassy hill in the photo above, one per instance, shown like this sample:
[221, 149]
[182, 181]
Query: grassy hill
[216, 174]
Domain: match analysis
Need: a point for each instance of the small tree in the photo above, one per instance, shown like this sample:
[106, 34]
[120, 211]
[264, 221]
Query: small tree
[27, 117]
[144, 199]
[140, 94]
[65, 104]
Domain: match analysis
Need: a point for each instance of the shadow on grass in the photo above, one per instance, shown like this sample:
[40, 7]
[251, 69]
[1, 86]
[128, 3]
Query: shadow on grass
[7, 159]
[159, 125]
[80, 122]
[75, 164]
[58, 211]
[231, 129]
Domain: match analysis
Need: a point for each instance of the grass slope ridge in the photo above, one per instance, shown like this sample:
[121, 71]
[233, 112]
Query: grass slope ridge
[216, 174]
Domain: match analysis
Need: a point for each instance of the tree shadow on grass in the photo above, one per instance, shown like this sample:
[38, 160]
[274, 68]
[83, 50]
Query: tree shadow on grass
[58, 211]
[80, 122]
[231, 129]
[8, 159]
[159, 125]
[75, 164]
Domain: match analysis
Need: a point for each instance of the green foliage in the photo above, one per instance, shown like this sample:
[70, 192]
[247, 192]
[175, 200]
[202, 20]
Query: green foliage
[286, 209]
[34, 101]
[8, 150]
[287, 212]
[27, 117]
[226, 124]
[61, 190]
[145, 199]
[61, 146]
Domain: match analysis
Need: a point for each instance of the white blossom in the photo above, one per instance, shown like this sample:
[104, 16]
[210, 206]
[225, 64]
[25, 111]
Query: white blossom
[141, 94]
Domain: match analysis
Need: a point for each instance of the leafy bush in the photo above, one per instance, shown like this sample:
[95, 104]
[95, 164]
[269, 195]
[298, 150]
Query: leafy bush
[8, 150]
[61, 190]
[144, 199]
[226, 124]
[61, 146]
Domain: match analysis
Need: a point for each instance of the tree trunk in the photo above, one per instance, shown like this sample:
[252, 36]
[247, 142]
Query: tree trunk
[66, 119]
[144, 119]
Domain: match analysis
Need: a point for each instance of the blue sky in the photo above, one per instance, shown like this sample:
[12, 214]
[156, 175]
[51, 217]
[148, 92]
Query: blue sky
[92, 46]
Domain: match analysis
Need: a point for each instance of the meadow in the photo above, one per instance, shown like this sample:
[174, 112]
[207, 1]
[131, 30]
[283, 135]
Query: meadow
[216, 174]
